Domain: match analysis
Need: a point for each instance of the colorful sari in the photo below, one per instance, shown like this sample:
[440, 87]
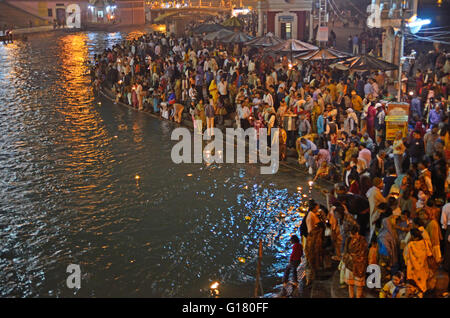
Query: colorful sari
[416, 256]
[355, 259]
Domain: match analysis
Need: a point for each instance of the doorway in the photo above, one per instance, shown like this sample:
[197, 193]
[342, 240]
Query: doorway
[61, 16]
[286, 30]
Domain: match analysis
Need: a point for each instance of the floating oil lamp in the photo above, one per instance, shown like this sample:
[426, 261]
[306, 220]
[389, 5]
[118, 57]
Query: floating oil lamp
[214, 288]
[310, 183]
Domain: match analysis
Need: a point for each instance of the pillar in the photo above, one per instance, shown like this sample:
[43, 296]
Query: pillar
[260, 20]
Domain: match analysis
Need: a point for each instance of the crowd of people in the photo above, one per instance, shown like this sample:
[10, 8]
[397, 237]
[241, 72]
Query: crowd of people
[390, 202]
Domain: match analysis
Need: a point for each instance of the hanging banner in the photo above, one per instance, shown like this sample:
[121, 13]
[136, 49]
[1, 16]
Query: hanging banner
[322, 34]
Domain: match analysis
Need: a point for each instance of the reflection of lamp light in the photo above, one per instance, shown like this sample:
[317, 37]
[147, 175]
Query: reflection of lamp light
[214, 285]
[310, 183]
[214, 289]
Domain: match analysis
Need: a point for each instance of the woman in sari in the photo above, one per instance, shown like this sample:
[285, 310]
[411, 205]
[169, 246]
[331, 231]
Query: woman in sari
[315, 113]
[200, 113]
[416, 256]
[371, 115]
[388, 245]
[213, 91]
[314, 242]
[355, 259]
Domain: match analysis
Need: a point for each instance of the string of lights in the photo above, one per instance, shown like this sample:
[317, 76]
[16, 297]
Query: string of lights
[425, 39]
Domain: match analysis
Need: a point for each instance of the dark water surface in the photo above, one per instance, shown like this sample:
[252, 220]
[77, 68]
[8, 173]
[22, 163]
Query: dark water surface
[69, 193]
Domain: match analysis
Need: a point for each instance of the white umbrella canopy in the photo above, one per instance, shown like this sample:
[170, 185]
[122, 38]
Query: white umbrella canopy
[208, 27]
[236, 37]
[218, 35]
[293, 46]
[322, 55]
[265, 41]
[364, 63]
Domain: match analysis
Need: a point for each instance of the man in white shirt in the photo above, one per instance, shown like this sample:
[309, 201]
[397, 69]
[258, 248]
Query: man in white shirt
[268, 99]
[222, 87]
[251, 66]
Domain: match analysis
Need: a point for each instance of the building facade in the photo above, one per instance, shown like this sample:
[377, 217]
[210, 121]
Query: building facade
[127, 12]
[287, 19]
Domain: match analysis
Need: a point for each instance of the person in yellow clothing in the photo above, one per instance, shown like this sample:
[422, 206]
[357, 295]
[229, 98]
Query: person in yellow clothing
[357, 102]
[432, 227]
[332, 88]
[416, 255]
[213, 91]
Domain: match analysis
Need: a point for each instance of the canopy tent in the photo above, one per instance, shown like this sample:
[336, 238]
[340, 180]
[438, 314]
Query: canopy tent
[233, 22]
[292, 46]
[265, 41]
[237, 37]
[322, 55]
[339, 66]
[218, 35]
[208, 28]
[364, 63]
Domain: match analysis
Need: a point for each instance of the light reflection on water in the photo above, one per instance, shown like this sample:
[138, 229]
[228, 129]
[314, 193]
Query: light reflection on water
[69, 193]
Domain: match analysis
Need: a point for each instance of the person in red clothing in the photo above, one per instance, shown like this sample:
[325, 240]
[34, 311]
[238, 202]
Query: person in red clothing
[294, 259]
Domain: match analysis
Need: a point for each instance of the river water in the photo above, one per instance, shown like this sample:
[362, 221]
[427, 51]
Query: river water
[69, 195]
